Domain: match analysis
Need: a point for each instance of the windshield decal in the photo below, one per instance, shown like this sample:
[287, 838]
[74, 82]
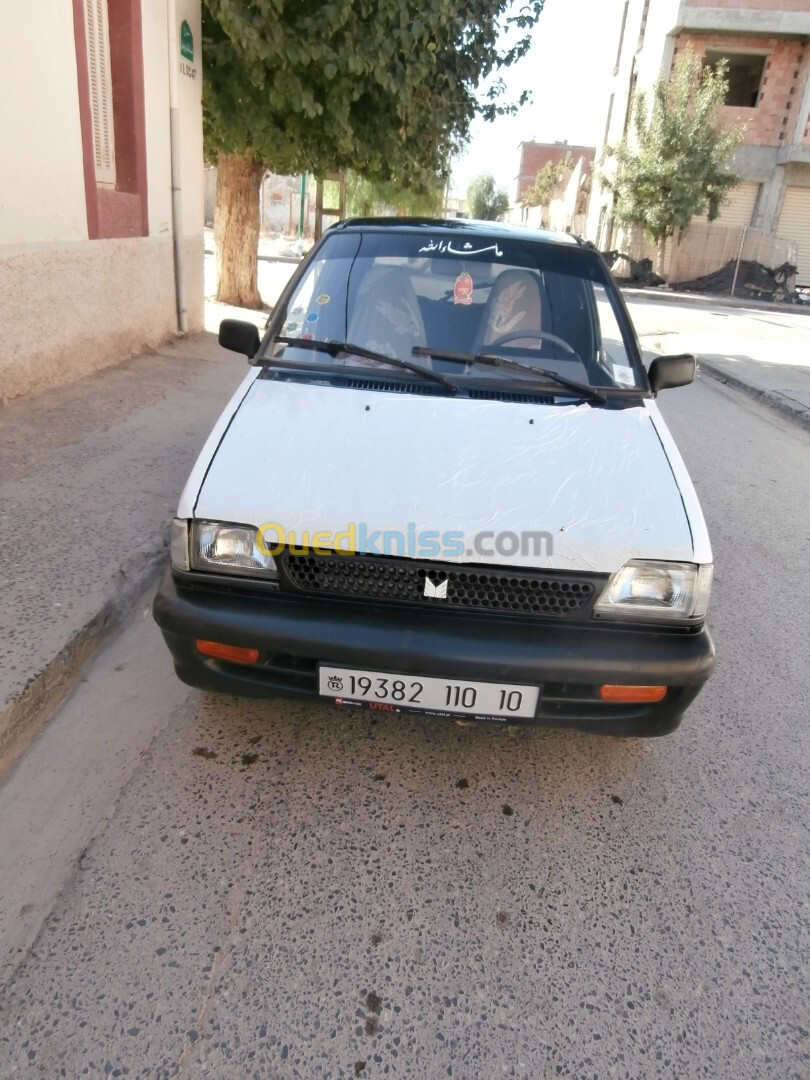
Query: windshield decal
[463, 289]
[446, 246]
[623, 375]
[324, 298]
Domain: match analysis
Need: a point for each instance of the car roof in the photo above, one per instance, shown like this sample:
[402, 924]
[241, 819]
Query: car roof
[459, 227]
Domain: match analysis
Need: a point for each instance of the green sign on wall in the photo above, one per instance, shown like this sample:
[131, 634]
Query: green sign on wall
[186, 41]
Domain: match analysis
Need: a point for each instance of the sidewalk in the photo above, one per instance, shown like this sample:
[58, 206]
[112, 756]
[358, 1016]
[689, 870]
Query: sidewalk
[89, 478]
[90, 475]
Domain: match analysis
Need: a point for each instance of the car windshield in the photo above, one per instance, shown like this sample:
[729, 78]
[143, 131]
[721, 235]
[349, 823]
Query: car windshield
[439, 300]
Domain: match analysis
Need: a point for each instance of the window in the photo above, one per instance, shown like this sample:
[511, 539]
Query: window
[643, 27]
[621, 38]
[97, 28]
[110, 78]
[745, 71]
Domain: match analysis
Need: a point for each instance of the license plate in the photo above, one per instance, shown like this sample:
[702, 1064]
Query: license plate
[386, 690]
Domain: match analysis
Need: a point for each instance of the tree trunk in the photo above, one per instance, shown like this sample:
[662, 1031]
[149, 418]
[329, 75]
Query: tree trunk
[236, 229]
[662, 248]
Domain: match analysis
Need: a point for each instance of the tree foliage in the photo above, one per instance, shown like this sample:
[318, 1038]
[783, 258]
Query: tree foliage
[368, 198]
[484, 200]
[385, 87]
[677, 166]
[546, 182]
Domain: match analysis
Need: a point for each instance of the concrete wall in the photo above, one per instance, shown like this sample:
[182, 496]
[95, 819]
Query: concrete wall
[70, 305]
[63, 319]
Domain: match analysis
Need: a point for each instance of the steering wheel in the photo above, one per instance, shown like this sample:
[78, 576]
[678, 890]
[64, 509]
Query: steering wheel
[520, 335]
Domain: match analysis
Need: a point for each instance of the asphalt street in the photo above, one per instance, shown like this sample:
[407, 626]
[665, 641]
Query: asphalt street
[273, 890]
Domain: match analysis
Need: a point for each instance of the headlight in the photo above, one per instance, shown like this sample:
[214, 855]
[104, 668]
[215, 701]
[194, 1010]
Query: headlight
[657, 590]
[228, 549]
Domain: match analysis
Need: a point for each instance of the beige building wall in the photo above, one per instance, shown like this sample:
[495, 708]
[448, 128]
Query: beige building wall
[70, 305]
[39, 126]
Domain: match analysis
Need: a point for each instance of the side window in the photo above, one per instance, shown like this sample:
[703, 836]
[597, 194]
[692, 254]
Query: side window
[611, 354]
[317, 307]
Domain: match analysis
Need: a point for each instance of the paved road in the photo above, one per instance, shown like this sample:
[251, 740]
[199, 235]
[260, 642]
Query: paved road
[763, 350]
[273, 890]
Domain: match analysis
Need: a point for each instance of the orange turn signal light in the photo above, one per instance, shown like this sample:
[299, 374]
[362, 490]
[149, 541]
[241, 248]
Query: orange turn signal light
[228, 652]
[610, 692]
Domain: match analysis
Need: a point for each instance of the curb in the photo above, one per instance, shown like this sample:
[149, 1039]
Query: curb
[24, 716]
[271, 258]
[668, 296]
[772, 399]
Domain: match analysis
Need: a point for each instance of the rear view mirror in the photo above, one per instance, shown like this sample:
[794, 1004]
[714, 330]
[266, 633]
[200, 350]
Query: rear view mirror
[667, 372]
[239, 336]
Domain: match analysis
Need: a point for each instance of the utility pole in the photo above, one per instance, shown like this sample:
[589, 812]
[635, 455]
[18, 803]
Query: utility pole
[301, 213]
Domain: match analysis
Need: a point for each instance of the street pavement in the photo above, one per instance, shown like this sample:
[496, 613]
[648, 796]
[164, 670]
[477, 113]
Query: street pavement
[197, 886]
[89, 478]
[760, 349]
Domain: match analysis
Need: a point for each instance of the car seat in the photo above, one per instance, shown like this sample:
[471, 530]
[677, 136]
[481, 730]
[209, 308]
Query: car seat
[514, 304]
[385, 314]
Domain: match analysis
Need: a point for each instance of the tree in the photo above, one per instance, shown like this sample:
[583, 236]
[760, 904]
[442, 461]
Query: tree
[484, 201]
[385, 87]
[678, 165]
[546, 181]
[366, 198]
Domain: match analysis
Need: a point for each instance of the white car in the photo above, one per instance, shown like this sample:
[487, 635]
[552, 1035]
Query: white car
[445, 486]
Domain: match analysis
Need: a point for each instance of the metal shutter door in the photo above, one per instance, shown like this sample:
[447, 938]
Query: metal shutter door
[794, 224]
[739, 209]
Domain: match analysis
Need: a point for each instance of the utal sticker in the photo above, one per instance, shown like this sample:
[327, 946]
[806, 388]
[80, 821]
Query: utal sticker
[463, 289]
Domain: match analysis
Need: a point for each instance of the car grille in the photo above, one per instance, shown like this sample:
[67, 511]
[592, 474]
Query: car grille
[380, 577]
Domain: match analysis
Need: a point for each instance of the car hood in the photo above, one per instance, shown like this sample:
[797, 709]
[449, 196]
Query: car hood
[595, 483]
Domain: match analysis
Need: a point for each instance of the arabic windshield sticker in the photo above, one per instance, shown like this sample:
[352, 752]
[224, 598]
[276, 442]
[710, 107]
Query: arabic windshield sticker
[446, 247]
[291, 327]
[463, 289]
[313, 317]
[324, 298]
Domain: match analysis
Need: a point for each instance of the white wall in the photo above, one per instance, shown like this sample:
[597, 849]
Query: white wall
[70, 305]
[648, 63]
[156, 61]
[191, 142]
[41, 165]
[154, 28]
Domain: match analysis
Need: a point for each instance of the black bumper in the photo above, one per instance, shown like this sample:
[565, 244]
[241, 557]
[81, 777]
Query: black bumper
[569, 662]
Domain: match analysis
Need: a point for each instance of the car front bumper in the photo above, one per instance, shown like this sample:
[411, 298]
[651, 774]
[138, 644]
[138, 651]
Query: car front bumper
[569, 662]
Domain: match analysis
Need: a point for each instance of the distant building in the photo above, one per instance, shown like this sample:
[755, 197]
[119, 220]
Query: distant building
[87, 267]
[534, 156]
[765, 43]
[455, 207]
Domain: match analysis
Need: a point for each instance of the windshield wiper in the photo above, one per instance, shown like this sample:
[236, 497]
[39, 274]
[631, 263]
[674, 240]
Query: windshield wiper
[490, 360]
[335, 347]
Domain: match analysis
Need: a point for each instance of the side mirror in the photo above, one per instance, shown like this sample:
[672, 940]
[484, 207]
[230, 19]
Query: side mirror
[239, 336]
[667, 372]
